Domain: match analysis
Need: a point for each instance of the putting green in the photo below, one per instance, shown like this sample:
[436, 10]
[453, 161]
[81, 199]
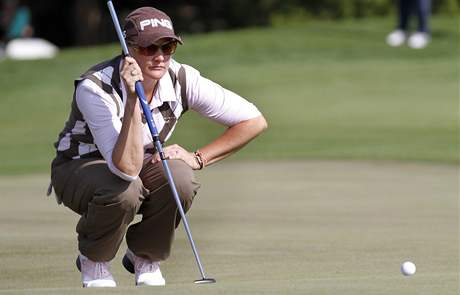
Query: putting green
[311, 227]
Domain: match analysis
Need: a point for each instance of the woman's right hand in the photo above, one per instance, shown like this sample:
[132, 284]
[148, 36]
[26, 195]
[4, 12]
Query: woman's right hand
[131, 72]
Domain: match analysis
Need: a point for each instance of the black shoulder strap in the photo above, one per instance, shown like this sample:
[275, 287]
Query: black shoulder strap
[183, 88]
[173, 76]
[181, 78]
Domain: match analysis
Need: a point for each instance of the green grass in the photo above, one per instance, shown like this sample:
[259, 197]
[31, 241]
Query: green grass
[330, 90]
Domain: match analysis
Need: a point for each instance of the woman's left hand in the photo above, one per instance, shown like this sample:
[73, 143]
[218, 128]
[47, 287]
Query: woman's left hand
[176, 152]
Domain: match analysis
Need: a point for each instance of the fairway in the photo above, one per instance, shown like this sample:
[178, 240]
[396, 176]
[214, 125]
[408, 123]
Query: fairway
[308, 227]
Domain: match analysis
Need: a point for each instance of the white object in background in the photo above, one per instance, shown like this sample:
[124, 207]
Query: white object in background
[30, 48]
[418, 40]
[396, 38]
[408, 268]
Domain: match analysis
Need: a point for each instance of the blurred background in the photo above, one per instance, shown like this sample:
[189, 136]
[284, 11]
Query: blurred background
[87, 22]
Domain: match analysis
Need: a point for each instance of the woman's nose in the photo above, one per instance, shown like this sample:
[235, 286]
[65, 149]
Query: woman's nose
[158, 57]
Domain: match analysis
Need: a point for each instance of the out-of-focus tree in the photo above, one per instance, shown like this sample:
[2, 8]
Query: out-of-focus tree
[84, 22]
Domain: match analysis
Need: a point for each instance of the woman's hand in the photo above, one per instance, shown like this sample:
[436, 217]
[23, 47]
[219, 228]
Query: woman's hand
[176, 152]
[131, 72]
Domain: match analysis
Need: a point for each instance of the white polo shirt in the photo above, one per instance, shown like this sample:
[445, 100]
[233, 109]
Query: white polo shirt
[102, 113]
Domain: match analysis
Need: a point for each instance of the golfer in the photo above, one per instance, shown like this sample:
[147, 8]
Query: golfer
[106, 168]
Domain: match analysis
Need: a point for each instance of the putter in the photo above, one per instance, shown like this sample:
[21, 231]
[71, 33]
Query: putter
[159, 148]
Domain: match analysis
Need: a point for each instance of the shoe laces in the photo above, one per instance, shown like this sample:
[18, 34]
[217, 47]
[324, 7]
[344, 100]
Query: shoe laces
[97, 270]
[145, 266]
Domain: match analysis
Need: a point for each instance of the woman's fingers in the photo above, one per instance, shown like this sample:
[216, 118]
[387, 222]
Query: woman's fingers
[176, 152]
[131, 73]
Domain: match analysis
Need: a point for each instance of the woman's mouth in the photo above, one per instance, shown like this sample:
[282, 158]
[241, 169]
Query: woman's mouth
[156, 68]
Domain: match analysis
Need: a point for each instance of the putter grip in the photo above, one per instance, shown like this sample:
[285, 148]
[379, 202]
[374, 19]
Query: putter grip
[146, 109]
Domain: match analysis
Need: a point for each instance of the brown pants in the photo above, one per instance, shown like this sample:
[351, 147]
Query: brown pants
[107, 205]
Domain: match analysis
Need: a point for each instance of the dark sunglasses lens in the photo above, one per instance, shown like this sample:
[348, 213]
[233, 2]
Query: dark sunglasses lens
[148, 51]
[169, 48]
[152, 49]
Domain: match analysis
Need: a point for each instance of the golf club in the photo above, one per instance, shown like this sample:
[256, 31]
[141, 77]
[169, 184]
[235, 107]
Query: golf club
[159, 148]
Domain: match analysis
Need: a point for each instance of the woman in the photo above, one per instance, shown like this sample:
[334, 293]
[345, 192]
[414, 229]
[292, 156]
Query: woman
[106, 168]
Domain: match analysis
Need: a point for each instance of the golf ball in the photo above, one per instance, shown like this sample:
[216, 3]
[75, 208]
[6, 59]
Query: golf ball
[408, 268]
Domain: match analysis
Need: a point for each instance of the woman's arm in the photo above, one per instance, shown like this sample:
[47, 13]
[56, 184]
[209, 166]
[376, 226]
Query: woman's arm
[128, 153]
[233, 139]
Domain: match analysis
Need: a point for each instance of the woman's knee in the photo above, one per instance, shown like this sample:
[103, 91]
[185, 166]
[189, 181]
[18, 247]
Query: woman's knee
[127, 195]
[132, 197]
[184, 179]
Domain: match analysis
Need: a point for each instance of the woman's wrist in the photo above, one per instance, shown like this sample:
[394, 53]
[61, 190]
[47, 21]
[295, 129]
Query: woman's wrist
[200, 159]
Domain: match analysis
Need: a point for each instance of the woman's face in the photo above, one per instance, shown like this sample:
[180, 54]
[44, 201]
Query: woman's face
[154, 60]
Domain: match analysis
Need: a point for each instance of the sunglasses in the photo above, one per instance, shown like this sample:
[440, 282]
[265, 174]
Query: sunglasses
[165, 49]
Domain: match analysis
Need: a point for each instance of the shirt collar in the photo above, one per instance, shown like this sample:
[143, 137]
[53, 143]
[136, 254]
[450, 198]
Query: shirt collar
[164, 91]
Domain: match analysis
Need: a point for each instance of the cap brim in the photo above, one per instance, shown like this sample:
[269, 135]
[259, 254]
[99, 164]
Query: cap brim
[146, 41]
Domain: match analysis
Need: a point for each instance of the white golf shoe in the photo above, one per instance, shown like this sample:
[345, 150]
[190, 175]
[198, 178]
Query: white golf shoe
[418, 40]
[94, 274]
[396, 38]
[147, 273]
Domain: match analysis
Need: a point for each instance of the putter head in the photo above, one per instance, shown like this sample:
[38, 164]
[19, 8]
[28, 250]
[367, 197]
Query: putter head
[205, 281]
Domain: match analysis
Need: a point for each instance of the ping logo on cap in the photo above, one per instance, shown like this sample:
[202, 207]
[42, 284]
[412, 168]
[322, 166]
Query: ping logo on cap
[155, 22]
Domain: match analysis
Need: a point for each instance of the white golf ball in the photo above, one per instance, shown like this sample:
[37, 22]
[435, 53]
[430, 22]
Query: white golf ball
[408, 268]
